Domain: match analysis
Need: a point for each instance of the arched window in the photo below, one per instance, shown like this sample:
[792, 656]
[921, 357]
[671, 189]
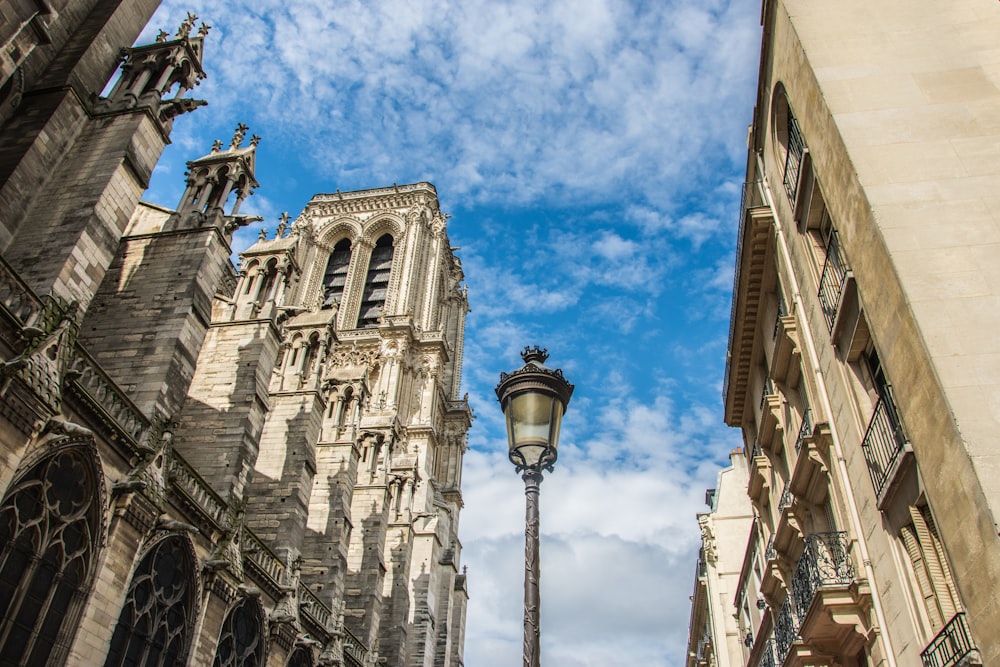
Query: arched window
[268, 282]
[336, 274]
[152, 629]
[301, 657]
[346, 405]
[49, 528]
[309, 360]
[240, 644]
[376, 283]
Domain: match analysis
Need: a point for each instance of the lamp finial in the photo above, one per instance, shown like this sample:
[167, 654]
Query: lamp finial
[536, 353]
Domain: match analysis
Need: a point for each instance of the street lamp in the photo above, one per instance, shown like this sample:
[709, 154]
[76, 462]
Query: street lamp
[533, 399]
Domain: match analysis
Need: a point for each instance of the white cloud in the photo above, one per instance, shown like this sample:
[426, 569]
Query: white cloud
[593, 150]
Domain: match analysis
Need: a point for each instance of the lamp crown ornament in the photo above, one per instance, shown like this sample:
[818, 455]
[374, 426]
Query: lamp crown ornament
[533, 354]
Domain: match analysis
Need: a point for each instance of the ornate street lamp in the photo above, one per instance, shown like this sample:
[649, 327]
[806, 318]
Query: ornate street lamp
[533, 399]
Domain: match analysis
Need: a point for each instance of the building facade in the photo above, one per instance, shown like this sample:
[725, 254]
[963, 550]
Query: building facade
[863, 361]
[206, 465]
[714, 630]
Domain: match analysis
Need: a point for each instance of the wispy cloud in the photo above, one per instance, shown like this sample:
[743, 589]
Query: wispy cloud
[591, 151]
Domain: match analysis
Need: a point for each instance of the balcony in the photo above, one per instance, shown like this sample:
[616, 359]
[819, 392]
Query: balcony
[831, 605]
[952, 646]
[769, 429]
[832, 281]
[759, 485]
[805, 430]
[810, 471]
[886, 449]
[785, 364]
[793, 160]
[785, 631]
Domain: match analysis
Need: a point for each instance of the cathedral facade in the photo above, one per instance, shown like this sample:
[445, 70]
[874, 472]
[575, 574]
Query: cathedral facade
[203, 464]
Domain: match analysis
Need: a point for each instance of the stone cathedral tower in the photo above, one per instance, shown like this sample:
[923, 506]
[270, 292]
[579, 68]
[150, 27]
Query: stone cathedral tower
[204, 464]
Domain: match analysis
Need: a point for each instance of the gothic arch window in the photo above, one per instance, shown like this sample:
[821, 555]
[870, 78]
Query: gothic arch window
[241, 642]
[336, 274]
[268, 284]
[309, 358]
[376, 283]
[152, 630]
[302, 657]
[49, 531]
[346, 406]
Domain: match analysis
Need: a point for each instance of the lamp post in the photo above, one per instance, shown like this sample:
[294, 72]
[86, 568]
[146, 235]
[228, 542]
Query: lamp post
[533, 399]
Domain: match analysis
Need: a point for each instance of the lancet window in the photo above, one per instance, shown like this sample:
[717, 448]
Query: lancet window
[336, 274]
[49, 528]
[241, 642]
[153, 629]
[376, 283]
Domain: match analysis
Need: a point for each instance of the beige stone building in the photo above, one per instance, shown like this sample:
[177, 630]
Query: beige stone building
[201, 465]
[864, 364]
[714, 630]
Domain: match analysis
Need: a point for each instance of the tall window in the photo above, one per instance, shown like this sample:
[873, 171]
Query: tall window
[49, 530]
[240, 644]
[376, 283]
[152, 629]
[336, 274]
[930, 567]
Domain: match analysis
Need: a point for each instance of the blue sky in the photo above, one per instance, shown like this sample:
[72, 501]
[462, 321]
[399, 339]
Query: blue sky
[591, 155]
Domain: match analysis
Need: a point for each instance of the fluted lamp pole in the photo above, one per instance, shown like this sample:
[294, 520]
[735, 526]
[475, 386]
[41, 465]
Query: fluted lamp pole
[533, 399]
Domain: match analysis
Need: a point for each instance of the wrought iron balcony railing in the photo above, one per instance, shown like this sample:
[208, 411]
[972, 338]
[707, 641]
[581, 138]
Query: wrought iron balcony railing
[767, 657]
[793, 159]
[884, 440]
[831, 282]
[786, 496]
[824, 562]
[785, 631]
[768, 390]
[782, 312]
[805, 430]
[950, 646]
[770, 553]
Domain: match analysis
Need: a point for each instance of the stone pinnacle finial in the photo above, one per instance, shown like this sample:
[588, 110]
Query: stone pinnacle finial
[203, 30]
[162, 36]
[216, 145]
[283, 224]
[254, 140]
[186, 26]
[241, 131]
[530, 354]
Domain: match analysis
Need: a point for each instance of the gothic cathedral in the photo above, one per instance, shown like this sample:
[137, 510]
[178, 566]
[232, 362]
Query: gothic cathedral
[202, 464]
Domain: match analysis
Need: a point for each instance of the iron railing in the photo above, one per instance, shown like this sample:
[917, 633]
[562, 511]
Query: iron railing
[786, 496]
[831, 282]
[767, 657]
[805, 430]
[752, 197]
[782, 312]
[825, 562]
[785, 631]
[950, 646]
[793, 158]
[770, 553]
[767, 390]
[884, 440]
